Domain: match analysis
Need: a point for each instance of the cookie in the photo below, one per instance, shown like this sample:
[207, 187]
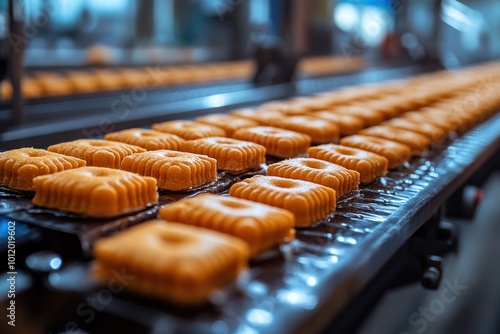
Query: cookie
[19, 167]
[309, 202]
[369, 165]
[320, 130]
[173, 170]
[278, 142]
[231, 154]
[227, 122]
[260, 226]
[95, 191]
[189, 130]
[148, 139]
[330, 175]
[348, 124]
[417, 142]
[395, 153]
[99, 153]
[371, 117]
[174, 262]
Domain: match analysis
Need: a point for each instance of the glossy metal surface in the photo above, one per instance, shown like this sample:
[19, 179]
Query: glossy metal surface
[302, 287]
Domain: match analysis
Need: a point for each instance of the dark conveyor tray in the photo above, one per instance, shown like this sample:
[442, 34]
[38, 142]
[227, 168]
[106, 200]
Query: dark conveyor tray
[318, 274]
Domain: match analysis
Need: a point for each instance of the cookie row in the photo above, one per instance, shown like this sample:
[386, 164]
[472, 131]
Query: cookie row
[44, 84]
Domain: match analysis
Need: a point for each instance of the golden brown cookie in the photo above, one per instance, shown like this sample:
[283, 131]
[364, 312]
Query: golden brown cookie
[227, 122]
[30, 88]
[189, 130]
[247, 113]
[369, 165]
[371, 117]
[330, 175]
[288, 108]
[99, 153]
[173, 170]
[19, 167]
[231, 154]
[83, 82]
[278, 142]
[427, 117]
[108, 80]
[95, 191]
[348, 124]
[149, 139]
[320, 130]
[53, 84]
[387, 108]
[261, 116]
[260, 226]
[309, 201]
[458, 119]
[417, 142]
[178, 263]
[435, 133]
[396, 153]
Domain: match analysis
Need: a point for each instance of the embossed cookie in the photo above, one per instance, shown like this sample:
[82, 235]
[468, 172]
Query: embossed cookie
[19, 167]
[278, 142]
[384, 106]
[95, 191]
[178, 263]
[320, 130]
[173, 170]
[396, 153]
[261, 116]
[288, 108]
[417, 142]
[148, 139]
[99, 153]
[435, 133]
[247, 113]
[231, 154]
[371, 117]
[189, 130]
[260, 226]
[436, 119]
[348, 124]
[309, 201]
[227, 122]
[369, 165]
[338, 178]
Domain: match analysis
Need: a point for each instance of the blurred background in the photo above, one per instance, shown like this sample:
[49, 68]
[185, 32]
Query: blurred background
[138, 32]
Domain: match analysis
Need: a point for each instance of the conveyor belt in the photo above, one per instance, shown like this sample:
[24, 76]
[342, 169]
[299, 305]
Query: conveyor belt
[318, 273]
[48, 125]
